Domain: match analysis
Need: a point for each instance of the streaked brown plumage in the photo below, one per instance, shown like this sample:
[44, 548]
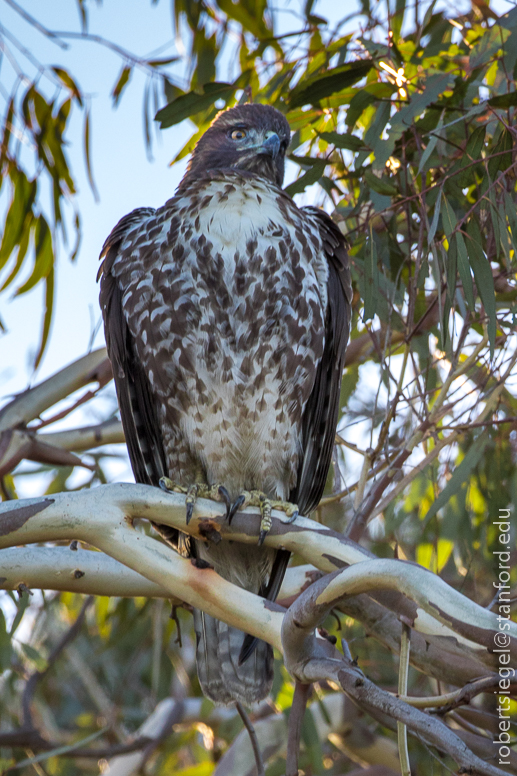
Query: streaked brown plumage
[227, 314]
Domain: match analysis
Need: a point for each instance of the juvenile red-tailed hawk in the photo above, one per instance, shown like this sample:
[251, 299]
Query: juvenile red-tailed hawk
[227, 314]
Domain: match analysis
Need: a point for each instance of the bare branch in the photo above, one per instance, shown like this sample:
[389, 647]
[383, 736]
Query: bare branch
[301, 695]
[253, 739]
[28, 405]
[94, 573]
[310, 659]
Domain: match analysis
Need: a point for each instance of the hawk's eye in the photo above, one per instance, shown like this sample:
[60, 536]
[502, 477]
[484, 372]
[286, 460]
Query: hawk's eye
[238, 134]
[283, 146]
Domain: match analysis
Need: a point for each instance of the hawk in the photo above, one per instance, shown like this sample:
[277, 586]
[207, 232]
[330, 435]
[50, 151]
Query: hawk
[226, 314]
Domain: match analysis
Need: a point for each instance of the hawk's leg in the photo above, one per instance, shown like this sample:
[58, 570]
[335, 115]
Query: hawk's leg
[256, 498]
[195, 491]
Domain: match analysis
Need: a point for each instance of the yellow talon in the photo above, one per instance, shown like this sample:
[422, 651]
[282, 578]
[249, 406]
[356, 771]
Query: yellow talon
[256, 498]
[195, 491]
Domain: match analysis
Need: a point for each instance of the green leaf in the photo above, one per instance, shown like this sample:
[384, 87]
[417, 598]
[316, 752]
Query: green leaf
[435, 85]
[380, 185]
[483, 277]
[188, 105]
[308, 179]
[69, 82]
[460, 475]
[491, 41]
[22, 250]
[34, 656]
[345, 140]
[503, 100]
[511, 215]
[474, 147]
[162, 62]
[318, 87]
[464, 270]
[21, 204]
[448, 217]
[252, 22]
[22, 604]
[44, 256]
[371, 280]
[431, 144]
[5, 645]
[87, 159]
[504, 160]
[121, 83]
[7, 132]
[436, 216]
[47, 317]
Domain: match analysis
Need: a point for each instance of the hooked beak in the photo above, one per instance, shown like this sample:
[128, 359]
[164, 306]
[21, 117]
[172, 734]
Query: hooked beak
[271, 146]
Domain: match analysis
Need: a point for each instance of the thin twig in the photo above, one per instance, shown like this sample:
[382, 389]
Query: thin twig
[37, 25]
[301, 695]
[405, 646]
[253, 738]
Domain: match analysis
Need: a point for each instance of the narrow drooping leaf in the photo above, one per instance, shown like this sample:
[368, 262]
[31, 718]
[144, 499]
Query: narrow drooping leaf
[44, 256]
[380, 185]
[464, 270]
[120, 84]
[503, 101]
[490, 41]
[87, 151]
[47, 317]
[65, 77]
[21, 204]
[460, 475]
[22, 251]
[436, 216]
[431, 144]
[371, 280]
[345, 140]
[483, 277]
[318, 87]
[434, 86]
[307, 179]
[189, 104]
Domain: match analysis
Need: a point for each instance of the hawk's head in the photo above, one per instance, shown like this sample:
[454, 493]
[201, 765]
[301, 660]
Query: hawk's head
[250, 137]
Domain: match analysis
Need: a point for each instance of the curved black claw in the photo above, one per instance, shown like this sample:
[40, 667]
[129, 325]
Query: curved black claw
[262, 536]
[237, 504]
[225, 497]
[190, 511]
[293, 517]
[165, 484]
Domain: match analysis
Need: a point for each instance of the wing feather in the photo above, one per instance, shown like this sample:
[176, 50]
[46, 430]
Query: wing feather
[136, 402]
[321, 411]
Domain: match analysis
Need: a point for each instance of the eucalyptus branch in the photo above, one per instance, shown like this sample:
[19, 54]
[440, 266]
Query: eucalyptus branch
[309, 659]
[405, 649]
[94, 573]
[28, 405]
[110, 432]
[103, 518]
[59, 568]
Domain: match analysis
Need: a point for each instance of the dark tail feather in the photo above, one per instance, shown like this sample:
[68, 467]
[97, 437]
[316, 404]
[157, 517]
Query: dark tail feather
[275, 582]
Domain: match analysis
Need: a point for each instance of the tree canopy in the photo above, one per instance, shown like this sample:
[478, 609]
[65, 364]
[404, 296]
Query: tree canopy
[403, 120]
